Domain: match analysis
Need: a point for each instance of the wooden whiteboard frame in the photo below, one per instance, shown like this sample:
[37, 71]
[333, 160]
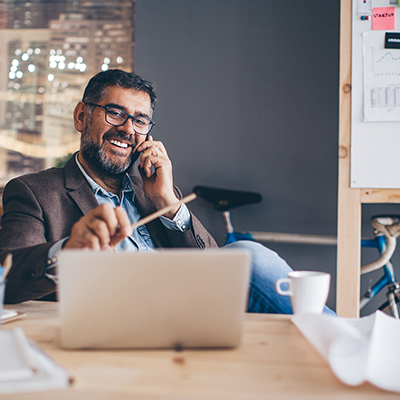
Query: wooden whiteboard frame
[350, 199]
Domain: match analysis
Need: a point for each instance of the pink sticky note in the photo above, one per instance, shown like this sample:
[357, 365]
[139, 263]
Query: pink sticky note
[383, 18]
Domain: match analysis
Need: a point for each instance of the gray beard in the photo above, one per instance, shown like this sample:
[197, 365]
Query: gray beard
[94, 155]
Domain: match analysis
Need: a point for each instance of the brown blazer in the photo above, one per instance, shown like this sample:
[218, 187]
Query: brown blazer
[41, 208]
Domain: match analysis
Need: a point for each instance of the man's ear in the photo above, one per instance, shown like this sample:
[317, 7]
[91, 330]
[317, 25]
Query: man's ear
[80, 115]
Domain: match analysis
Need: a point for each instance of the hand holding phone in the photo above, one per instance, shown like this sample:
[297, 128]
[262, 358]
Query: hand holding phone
[155, 168]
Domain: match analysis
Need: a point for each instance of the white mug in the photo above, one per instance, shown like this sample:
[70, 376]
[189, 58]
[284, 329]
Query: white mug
[308, 290]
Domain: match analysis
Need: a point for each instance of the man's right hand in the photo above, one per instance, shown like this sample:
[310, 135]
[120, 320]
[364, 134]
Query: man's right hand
[101, 229]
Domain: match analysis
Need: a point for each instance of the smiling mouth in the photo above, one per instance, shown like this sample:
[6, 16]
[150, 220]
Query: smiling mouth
[119, 144]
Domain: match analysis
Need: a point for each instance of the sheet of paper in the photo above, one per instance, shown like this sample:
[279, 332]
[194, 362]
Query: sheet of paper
[383, 367]
[8, 314]
[12, 367]
[357, 350]
[381, 79]
[16, 376]
[383, 18]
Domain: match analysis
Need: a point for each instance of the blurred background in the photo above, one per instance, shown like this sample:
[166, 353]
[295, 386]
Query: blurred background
[248, 100]
[49, 50]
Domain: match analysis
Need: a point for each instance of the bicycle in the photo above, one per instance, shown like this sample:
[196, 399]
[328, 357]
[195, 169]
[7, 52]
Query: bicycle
[386, 230]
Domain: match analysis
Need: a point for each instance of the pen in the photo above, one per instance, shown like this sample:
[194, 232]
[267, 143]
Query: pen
[23, 349]
[163, 211]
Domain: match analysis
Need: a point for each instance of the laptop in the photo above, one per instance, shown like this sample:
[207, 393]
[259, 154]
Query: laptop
[186, 298]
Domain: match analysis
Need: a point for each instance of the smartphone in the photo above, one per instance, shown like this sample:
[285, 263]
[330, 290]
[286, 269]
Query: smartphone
[141, 169]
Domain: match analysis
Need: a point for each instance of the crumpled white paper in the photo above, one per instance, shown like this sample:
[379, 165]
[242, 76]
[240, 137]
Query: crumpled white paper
[357, 349]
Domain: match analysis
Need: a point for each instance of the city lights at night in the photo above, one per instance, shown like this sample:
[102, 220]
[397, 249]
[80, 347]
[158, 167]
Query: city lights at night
[49, 52]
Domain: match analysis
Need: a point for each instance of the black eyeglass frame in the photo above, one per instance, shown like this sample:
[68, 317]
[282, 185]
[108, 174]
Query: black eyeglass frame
[128, 116]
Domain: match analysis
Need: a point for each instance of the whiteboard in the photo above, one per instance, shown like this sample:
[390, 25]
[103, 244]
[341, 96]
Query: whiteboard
[375, 145]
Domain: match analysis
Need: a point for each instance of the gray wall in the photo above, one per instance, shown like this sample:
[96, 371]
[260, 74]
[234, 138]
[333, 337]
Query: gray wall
[248, 100]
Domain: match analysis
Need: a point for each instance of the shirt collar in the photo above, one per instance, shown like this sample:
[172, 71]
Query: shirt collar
[127, 186]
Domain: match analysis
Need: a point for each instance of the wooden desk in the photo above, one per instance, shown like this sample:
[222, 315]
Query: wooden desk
[273, 362]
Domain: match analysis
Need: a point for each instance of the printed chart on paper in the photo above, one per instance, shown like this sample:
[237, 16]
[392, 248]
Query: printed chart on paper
[381, 79]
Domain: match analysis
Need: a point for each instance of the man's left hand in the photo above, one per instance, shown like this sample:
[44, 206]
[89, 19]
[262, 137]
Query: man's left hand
[158, 184]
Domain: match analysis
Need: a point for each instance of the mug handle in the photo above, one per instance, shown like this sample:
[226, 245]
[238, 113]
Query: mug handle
[278, 286]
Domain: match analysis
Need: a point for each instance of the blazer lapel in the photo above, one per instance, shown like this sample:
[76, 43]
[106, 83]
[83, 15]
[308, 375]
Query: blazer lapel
[78, 187]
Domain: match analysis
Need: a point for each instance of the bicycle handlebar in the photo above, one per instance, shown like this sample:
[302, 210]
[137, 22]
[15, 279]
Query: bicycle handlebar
[384, 259]
[390, 227]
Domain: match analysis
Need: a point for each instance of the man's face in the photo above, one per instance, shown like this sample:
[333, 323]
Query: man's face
[107, 148]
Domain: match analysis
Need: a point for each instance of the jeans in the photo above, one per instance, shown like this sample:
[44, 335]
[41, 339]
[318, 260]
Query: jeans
[267, 268]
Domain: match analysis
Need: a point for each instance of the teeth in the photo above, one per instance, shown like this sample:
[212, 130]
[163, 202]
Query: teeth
[119, 144]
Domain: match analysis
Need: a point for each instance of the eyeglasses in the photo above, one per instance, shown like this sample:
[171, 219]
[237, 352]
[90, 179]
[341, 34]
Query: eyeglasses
[118, 117]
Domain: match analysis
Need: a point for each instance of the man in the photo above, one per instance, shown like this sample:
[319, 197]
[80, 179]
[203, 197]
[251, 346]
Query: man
[92, 201]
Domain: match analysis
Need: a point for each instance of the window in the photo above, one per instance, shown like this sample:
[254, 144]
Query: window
[49, 51]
